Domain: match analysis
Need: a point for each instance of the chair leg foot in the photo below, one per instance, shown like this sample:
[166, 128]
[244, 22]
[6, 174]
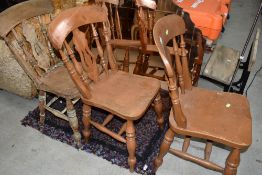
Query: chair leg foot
[169, 137]
[73, 121]
[131, 144]
[232, 162]
[41, 105]
[159, 111]
[86, 122]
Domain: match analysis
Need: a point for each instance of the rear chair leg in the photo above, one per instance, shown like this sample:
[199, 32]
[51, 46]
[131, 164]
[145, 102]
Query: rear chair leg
[73, 121]
[41, 105]
[169, 137]
[138, 66]
[159, 110]
[86, 121]
[232, 162]
[131, 144]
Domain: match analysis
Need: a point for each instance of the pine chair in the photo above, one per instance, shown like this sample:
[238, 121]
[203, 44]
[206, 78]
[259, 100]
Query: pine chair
[24, 29]
[121, 94]
[148, 12]
[209, 115]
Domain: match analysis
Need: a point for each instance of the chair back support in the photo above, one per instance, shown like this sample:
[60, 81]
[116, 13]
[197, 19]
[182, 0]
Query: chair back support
[145, 17]
[77, 55]
[26, 35]
[113, 15]
[22, 11]
[166, 29]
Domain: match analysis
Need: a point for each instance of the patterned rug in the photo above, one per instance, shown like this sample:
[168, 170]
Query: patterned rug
[148, 134]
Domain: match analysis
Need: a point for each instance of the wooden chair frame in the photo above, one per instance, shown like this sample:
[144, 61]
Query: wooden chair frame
[196, 112]
[101, 84]
[21, 45]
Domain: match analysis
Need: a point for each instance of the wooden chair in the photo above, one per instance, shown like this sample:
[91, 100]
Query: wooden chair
[209, 115]
[24, 29]
[145, 22]
[147, 14]
[121, 94]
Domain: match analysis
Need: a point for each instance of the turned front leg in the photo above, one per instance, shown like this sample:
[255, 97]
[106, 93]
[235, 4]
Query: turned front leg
[232, 162]
[73, 121]
[169, 137]
[86, 122]
[159, 110]
[131, 144]
[41, 105]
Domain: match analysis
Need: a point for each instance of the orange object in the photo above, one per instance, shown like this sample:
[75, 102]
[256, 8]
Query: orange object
[227, 3]
[208, 15]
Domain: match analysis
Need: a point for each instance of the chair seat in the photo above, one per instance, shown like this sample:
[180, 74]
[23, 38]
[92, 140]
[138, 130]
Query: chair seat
[217, 116]
[59, 82]
[125, 95]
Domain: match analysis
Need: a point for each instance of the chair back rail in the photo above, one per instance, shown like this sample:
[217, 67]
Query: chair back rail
[22, 11]
[77, 55]
[145, 17]
[172, 29]
[26, 36]
[113, 15]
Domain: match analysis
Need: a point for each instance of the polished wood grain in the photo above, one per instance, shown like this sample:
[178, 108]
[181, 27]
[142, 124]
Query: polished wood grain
[196, 112]
[100, 83]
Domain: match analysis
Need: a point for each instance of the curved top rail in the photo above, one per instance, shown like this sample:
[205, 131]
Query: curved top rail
[12, 16]
[71, 19]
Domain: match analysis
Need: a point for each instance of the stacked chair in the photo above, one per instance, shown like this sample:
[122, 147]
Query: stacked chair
[218, 117]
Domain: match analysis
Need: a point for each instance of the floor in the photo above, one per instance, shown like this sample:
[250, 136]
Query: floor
[23, 150]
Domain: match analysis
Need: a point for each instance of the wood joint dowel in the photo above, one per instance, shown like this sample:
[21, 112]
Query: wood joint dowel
[208, 150]
[201, 162]
[122, 129]
[107, 131]
[107, 119]
[56, 113]
[186, 144]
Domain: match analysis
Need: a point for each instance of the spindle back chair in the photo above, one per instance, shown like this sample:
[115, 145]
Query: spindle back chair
[209, 115]
[146, 10]
[121, 94]
[117, 41]
[24, 29]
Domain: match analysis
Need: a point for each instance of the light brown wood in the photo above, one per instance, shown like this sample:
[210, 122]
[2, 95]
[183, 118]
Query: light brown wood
[215, 116]
[108, 132]
[131, 144]
[122, 94]
[108, 119]
[232, 162]
[122, 129]
[197, 160]
[159, 108]
[73, 120]
[169, 137]
[208, 150]
[26, 36]
[86, 121]
[147, 13]
[186, 144]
